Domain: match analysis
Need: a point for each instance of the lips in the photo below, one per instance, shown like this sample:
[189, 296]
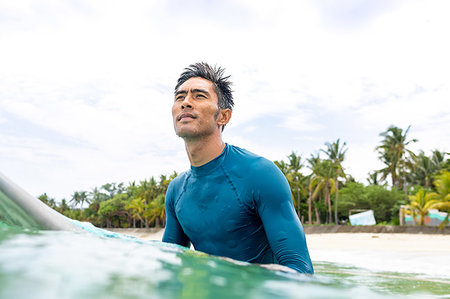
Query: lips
[185, 115]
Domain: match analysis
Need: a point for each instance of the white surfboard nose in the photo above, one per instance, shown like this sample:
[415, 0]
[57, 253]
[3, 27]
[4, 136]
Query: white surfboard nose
[39, 213]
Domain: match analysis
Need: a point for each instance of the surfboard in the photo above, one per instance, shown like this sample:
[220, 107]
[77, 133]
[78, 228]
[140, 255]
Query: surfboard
[19, 207]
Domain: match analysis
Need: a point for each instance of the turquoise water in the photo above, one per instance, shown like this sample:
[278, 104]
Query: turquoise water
[94, 263]
[56, 264]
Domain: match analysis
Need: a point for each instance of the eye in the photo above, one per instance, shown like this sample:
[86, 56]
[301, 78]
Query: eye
[179, 98]
[201, 96]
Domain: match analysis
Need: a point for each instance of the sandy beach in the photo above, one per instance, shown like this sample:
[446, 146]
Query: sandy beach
[355, 241]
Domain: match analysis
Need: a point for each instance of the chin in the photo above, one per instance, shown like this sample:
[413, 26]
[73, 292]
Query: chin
[185, 133]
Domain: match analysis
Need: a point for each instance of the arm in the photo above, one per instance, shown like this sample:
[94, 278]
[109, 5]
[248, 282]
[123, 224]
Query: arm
[173, 232]
[281, 224]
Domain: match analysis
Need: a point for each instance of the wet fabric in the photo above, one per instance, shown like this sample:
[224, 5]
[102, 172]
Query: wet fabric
[238, 205]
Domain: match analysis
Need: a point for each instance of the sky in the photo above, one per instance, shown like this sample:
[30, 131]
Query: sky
[86, 87]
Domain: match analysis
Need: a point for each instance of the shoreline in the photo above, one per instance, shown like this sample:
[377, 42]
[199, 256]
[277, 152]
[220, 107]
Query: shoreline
[376, 229]
[406, 242]
[318, 229]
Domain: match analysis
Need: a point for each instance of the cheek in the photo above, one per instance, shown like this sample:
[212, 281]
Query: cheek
[174, 110]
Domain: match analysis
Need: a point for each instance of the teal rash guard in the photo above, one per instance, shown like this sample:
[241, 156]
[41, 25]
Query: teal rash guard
[238, 205]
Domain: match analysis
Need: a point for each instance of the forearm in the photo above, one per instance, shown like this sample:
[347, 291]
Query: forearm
[174, 233]
[287, 240]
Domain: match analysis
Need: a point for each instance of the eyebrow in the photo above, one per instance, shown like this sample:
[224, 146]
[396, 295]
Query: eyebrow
[195, 90]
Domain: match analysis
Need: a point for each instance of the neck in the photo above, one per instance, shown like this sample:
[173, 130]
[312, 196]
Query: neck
[201, 151]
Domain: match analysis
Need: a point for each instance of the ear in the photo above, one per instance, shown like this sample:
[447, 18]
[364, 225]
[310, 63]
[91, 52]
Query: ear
[223, 117]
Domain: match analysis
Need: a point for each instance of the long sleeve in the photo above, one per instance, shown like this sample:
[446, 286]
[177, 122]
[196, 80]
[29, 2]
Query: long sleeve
[173, 232]
[281, 224]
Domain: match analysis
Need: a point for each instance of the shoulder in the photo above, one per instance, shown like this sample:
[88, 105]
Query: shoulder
[178, 180]
[267, 183]
[253, 164]
[175, 185]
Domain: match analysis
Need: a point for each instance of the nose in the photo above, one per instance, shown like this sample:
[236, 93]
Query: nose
[187, 102]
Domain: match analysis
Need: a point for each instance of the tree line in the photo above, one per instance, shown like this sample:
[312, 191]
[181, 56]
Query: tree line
[326, 193]
[116, 205]
[322, 190]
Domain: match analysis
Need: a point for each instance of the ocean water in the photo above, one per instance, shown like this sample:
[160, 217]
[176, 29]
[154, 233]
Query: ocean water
[98, 264]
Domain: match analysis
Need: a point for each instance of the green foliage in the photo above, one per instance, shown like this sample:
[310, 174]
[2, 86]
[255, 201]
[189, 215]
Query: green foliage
[425, 168]
[314, 195]
[323, 183]
[47, 200]
[156, 211]
[80, 197]
[421, 203]
[117, 205]
[393, 153]
[112, 211]
[442, 186]
[295, 178]
[383, 202]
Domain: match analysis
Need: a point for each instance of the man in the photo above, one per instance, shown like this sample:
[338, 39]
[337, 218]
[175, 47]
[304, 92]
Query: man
[231, 202]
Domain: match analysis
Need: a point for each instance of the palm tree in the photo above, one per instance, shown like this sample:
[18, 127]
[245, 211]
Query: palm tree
[164, 182]
[392, 152]
[136, 208]
[110, 188]
[423, 202]
[97, 196]
[323, 182]
[295, 177]
[442, 185]
[63, 206]
[47, 200]
[438, 159]
[79, 197]
[336, 153]
[313, 162]
[308, 183]
[282, 166]
[157, 211]
[146, 192]
[373, 178]
[442, 194]
[424, 169]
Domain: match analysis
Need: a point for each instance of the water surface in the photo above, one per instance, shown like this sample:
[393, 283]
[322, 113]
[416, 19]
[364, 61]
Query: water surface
[99, 264]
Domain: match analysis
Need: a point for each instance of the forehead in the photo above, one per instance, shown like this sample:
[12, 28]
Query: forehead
[197, 83]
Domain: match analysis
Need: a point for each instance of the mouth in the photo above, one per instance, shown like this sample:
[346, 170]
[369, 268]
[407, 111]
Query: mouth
[186, 116]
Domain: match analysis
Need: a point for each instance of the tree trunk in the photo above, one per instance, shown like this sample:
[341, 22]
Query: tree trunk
[405, 189]
[328, 200]
[309, 208]
[317, 216]
[336, 202]
[394, 181]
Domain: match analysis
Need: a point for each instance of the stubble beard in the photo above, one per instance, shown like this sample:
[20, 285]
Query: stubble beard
[196, 134]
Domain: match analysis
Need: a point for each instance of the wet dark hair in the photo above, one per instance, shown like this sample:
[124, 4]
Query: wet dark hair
[222, 84]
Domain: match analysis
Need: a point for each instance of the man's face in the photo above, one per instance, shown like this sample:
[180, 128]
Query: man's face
[195, 109]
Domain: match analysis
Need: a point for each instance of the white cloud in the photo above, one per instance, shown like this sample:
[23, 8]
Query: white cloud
[93, 81]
